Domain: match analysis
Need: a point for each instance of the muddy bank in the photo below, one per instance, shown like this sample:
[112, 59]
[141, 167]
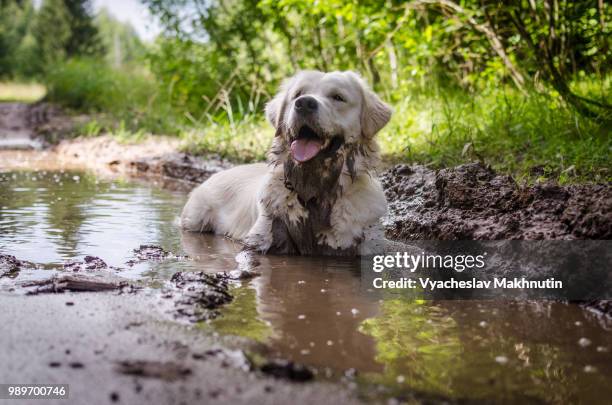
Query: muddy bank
[473, 202]
[118, 349]
[465, 202]
[124, 339]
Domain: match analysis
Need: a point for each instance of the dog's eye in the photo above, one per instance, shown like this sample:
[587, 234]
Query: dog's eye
[297, 94]
[338, 97]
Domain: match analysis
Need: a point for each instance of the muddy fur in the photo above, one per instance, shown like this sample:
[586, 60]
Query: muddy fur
[319, 193]
[318, 184]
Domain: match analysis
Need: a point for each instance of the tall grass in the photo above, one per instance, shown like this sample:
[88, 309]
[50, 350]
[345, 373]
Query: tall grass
[129, 96]
[534, 136]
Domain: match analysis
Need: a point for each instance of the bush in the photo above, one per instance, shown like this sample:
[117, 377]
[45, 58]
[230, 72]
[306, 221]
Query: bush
[127, 95]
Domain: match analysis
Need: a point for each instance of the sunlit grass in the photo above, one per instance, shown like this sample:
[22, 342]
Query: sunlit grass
[244, 141]
[21, 92]
[532, 137]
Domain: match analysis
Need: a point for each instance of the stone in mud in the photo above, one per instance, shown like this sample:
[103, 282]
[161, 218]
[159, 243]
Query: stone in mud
[287, 370]
[9, 264]
[88, 263]
[473, 202]
[168, 371]
[150, 252]
[197, 294]
[77, 283]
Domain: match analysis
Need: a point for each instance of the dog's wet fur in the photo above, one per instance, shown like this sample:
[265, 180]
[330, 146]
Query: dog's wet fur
[318, 193]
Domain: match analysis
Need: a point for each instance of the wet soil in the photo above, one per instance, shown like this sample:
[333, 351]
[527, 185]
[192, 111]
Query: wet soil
[76, 283]
[473, 202]
[196, 295]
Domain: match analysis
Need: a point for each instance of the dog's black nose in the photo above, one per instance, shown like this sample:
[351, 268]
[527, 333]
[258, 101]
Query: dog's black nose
[306, 104]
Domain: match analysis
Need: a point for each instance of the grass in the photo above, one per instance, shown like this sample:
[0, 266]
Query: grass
[21, 92]
[533, 137]
[128, 97]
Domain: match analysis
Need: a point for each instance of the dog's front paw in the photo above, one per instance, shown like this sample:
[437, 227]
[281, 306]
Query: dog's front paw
[258, 242]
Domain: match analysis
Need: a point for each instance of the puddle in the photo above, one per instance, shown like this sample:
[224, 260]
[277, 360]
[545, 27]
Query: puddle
[313, 310]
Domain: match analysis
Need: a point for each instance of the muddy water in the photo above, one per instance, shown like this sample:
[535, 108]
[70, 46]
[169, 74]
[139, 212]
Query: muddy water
[313, 310]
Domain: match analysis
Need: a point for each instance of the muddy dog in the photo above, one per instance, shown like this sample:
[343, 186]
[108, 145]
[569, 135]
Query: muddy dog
[318, 193]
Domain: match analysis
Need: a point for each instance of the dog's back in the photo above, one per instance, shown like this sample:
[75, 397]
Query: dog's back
[226, 203]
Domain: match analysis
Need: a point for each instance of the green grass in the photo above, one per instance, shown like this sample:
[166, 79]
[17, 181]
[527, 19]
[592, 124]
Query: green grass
[244, 141]
[21, 92]
[128, 98]
[533, 137]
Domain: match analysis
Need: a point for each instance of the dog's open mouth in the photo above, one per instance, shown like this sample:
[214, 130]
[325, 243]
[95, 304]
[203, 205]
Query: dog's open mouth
[308, 144]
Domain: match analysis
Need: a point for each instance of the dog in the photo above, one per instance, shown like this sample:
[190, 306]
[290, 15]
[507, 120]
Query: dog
[318, 194]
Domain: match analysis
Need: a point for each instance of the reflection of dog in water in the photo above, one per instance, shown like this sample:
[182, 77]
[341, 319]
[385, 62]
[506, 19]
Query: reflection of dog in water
[318, 194]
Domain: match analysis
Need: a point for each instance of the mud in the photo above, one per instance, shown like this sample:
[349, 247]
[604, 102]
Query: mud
[180, 166]
[116, 349]
[287, 370]
[11, 265]
[34, 126]
[151, 252]
[197, 295]
[77, 283]
[473, 202]
[88, 263]
[168, 371]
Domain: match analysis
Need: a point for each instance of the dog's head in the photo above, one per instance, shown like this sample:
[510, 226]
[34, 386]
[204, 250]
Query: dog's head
[316, 114]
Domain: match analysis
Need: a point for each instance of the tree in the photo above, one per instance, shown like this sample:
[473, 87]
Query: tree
[120, 40]
[63, 29]
[16, 18]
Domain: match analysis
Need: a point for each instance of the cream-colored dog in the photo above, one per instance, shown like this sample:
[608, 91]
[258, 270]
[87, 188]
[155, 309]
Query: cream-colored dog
[318, 193]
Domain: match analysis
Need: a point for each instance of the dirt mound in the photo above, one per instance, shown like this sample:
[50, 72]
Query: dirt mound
[473, 202]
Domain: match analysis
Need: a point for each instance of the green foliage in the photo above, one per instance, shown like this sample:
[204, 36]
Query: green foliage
[64, 29]
[126, 95]
[16, 45]
[32, 40]
[523, 86]
[246, 140]
[533, 136]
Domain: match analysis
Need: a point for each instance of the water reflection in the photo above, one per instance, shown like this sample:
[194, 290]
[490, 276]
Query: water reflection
[314, 310]
[50, 217]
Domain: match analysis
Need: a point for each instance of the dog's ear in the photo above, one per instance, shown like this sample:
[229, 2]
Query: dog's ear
[275, 109]
[375, 113]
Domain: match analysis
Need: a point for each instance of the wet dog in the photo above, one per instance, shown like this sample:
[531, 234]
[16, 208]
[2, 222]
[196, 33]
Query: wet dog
[318, 192]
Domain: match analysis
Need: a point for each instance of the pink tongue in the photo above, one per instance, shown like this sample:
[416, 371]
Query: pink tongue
[303, 150]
